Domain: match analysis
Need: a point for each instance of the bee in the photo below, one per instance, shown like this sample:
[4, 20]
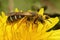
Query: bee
[14, 16]
[31, 16]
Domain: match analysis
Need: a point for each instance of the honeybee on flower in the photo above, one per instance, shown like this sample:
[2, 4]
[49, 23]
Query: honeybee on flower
[27, 30]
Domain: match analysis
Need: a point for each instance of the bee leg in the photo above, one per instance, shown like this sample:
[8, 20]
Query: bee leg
[47, 17]
[35, 20]
[41, 20]
[29, 18]
[49, 21]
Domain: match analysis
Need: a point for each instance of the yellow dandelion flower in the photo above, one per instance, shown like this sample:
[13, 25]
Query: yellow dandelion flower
[25, 30]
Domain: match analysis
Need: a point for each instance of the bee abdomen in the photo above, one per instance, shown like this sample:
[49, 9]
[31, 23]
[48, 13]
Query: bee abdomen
[14, 17]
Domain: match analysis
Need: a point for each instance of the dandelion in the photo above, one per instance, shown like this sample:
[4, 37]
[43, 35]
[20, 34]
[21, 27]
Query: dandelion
[25, 30]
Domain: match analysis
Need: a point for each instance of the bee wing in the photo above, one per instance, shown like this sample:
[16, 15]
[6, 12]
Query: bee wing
[14, 13]
[22, 13]
[29, 13]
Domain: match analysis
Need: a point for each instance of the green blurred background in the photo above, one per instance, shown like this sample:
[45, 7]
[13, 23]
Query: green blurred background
[8, 5]
[21, 4]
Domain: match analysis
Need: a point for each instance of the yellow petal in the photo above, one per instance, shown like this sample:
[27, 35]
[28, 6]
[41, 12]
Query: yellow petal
[4, 17]
[54, 22]
[3, 14]
[30, 27]
[49, 24]
[40, 26]
[55, 35]
[29, 11]
[41, 11]
[21, 11]
[16, 10]
[46, 35]
[9, 31]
